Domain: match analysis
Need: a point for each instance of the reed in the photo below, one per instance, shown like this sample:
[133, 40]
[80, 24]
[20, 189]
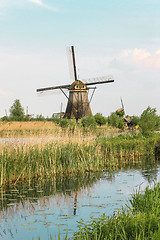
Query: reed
[24, 162]
[140, 220]
[73, 132]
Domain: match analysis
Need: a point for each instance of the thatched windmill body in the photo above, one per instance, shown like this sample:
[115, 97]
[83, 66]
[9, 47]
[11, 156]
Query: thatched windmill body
[78, 105]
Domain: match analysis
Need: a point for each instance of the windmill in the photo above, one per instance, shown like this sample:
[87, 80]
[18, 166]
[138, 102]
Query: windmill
[78, 105]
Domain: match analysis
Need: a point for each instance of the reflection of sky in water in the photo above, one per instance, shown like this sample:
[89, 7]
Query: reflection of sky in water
[52, 213]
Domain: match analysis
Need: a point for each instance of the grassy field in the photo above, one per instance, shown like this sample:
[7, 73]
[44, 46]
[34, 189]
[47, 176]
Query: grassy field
[49, 131]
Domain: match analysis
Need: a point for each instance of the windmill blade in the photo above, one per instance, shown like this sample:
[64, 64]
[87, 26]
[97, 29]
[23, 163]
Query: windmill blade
[49, 92]
[98, 80]
[53, 88]
[71, 63]
[122, 103]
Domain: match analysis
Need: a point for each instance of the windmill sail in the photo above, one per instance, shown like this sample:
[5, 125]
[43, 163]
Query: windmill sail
[98, 80]
[72, 63]
[53, 88]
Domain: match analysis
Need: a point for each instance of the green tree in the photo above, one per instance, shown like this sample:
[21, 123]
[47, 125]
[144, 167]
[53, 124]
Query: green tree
[149, 121]
[120, 113]
[116, 121]
[89, 122]
[100, 120]
[17, 111]
[135, 120]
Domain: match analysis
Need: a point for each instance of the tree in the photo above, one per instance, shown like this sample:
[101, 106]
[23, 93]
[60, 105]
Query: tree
[116, 121]
[17, 111]
[135, 120]
[149, 121]
[100, 120]
[89, 122]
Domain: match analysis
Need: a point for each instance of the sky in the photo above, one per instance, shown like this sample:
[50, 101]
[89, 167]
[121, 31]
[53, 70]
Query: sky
[111, 37]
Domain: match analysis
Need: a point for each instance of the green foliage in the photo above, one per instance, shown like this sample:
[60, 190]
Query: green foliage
[16, 111]
[140, 221]
[39, 118]
[55, 119]
[120, 113]
[147, 202]
[64, 122]
[5, 118]
[89, 122]
[135, 120]
[116, 121]
[100, 120]
[149, 121]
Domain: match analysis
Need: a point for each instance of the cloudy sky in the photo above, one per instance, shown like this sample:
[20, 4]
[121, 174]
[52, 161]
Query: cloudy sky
[111, 37]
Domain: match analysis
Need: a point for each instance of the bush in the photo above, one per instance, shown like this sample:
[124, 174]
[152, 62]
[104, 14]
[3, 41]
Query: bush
[89, 122]
[100, 120]
[135, 120]
[5, 118]
[116, 121]
[149, 121]
[55, 119]
[64, 122]
[39, 118]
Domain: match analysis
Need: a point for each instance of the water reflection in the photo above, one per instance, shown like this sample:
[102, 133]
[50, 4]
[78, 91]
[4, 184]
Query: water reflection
[41, 208]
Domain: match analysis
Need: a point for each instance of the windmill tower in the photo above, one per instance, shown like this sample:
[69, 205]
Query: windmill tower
[78, 105]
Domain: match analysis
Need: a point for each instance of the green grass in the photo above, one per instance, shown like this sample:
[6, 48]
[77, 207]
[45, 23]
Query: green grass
[27, 162]
[141, 220]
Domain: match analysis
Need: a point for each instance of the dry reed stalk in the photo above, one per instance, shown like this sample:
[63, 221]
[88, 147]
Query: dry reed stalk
[42, 129]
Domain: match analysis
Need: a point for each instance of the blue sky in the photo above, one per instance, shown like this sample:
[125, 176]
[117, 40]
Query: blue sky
[111, 37]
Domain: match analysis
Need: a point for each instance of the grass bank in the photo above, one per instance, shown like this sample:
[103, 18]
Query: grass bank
[139, 221]
[25, 162]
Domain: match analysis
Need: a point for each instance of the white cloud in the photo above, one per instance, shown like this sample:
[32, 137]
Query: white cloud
[22, 3]
[142, 57]
[37, 2]
[158, 52]
[40, 3]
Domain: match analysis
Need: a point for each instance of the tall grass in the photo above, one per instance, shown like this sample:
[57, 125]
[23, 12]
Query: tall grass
[138, 222]
[26, 162]
[51, 129]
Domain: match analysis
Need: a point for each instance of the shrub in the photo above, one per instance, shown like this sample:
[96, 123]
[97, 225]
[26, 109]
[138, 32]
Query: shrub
[100, 120]
[116, 121]
[39, 118]
[149, 121]
[64, 122]
[89, 122]
[135, 120]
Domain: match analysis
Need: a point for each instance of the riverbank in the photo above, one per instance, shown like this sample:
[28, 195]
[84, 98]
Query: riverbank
[140, 220]
[27, 162]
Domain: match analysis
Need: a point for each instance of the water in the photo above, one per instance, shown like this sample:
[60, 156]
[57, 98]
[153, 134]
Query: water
[44, 208]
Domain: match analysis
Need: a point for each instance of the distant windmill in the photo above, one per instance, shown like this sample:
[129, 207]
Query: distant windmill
[78, 105]
[122, 108]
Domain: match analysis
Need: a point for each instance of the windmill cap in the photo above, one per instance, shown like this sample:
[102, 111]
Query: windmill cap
[78, 86]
